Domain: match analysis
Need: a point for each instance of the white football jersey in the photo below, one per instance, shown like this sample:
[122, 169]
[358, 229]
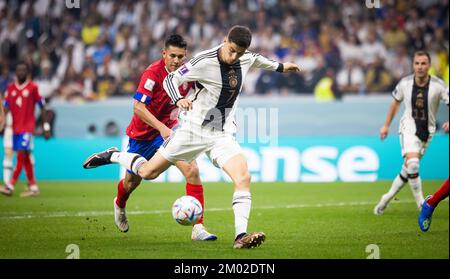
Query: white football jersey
[217, 87]
[403, 92]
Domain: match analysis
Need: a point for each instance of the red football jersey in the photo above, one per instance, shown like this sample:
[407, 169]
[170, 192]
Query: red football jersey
[21, 101]
[152, 94]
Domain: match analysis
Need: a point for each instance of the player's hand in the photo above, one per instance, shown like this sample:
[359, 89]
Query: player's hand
[445, 127]
[384, 132]
[47, 135]
[184, 104]
[290, 67]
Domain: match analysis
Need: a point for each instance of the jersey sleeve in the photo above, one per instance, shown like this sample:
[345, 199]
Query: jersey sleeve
[37, 97]
[147, 86]
[397, 94]
[191, 71]
[262, 62]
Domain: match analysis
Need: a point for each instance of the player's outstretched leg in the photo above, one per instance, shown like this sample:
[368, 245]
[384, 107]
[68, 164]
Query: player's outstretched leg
[99, 159]
[398, 183]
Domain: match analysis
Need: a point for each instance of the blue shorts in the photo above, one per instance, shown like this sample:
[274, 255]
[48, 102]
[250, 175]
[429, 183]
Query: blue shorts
[23, 141]
[145, 148]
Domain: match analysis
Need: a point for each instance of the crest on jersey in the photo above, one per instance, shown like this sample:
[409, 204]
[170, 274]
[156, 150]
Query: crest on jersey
[420, 101]
[183, 70]
[149, 84]
[25, 93]
[233, 79]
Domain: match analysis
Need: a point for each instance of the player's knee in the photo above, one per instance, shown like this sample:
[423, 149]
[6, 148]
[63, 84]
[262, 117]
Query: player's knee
[412, 167]
[244, 180]
[9, 152]
[148, 174]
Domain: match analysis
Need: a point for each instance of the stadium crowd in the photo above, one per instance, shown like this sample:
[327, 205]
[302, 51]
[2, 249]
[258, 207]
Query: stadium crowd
[100, 49]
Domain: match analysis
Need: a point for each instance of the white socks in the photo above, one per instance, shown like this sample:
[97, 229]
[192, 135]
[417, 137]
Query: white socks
[398, 183]
[416, 188]
[242, 202]
[7, 169]
[131, 161]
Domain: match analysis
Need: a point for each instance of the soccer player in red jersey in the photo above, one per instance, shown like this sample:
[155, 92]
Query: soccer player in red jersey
[21, 98]
[152, 123]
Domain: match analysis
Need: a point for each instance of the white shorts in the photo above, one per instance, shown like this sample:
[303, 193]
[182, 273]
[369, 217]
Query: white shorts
[410, 143]
[8, 133]
[186, 144]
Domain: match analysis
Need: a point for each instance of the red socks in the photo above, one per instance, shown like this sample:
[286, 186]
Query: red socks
[23, 160]
[440, 194]
[122, 195]
[196, 191]
[29, 169]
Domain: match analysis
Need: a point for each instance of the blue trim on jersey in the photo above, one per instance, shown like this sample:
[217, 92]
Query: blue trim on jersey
[5, 104]
[138, 96]
[22, 141]
[41, 103]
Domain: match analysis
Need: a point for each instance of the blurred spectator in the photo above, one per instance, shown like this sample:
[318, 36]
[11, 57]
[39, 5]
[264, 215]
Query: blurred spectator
[350, 79]
[128, 33]
[46, 81]
[378, 79]
[91, 31]
[399, 63]
[372, 51]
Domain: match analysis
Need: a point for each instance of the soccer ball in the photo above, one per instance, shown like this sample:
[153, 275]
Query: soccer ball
[187, 210]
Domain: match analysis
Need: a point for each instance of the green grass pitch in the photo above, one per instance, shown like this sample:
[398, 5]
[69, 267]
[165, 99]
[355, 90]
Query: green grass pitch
[301, 220]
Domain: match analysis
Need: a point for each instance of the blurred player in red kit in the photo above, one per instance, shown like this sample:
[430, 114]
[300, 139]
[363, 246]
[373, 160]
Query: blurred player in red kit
[20, 99]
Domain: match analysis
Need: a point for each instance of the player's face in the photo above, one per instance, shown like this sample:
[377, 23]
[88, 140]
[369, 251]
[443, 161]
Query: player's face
[231, 52]
[421, 66]
[21, 73]
[173, 57]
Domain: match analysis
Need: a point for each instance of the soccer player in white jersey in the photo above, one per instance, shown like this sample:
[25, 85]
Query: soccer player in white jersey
[207, 122]
[7, 144]
[421, 94]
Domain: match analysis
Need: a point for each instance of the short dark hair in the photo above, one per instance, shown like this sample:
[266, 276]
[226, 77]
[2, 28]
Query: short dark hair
[175, 40]
[21, 62]
[422, 53]
[240, 35]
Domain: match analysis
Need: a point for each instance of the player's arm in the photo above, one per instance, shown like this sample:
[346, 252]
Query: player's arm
[445, 99]
[397, 96]
[393, 109]
[46, 125]
[262, 62]
[185, 73]
[146, 116]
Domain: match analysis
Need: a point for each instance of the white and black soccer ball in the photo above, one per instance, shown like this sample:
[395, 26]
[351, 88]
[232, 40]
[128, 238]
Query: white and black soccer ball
[187, 210]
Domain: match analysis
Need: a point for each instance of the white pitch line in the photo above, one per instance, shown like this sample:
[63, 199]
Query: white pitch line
[30, 215]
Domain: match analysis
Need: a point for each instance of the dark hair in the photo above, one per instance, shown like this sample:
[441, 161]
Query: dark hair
[422, 53]
[175, 40]
[23, 63]
[240, 35]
